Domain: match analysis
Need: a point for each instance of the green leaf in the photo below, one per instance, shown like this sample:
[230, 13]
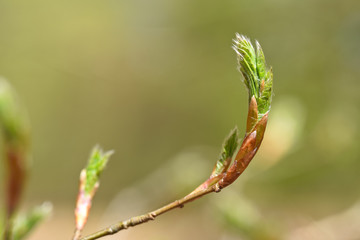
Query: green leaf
[97, 162]
[228, 149]
[257, 77]
[25, 223]
[260, 61]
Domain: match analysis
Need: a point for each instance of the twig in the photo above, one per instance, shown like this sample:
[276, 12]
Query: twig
[151, 215]
[77, 234]
[258, 80]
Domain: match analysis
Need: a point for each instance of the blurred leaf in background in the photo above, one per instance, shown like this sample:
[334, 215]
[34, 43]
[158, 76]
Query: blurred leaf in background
[24, 223]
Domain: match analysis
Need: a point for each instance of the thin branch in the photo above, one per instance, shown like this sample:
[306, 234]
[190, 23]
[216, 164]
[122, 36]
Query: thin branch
[151, 215]
[77, 234]
[258, 80]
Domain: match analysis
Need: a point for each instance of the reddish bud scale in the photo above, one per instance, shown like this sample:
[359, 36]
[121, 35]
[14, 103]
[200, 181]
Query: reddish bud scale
[252, 118]
[246, 153]
[208, 183]
[83, 203]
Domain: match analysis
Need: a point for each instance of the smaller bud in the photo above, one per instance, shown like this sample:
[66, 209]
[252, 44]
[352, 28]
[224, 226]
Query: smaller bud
[89, 183]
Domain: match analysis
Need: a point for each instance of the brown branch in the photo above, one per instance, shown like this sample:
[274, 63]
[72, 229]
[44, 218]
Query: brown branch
[77, 234]
[247, 151]
[151, 215]
[258, 79]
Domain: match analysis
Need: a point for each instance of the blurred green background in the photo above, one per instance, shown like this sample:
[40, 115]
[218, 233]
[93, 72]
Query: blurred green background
[157, 81]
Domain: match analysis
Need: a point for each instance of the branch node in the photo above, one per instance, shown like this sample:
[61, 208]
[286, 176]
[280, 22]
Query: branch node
[180, 205]
[217, 188]
[126, 224]
[112, 230]
[152, 216]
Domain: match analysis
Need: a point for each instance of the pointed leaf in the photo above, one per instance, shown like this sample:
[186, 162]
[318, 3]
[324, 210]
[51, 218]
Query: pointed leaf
[229, 147]
[257, 78]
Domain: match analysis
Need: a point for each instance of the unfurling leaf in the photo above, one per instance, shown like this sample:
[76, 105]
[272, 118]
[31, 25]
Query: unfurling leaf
[257, 77]
[228, 149]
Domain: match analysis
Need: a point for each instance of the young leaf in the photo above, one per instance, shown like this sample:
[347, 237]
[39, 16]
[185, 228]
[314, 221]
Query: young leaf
[257, 77]
[228, 149]
[96, 165]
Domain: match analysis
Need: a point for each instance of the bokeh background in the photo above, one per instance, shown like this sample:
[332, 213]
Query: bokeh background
[157, 81]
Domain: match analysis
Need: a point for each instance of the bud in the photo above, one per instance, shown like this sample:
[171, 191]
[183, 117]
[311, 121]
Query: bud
[89, 183]
[258, 80]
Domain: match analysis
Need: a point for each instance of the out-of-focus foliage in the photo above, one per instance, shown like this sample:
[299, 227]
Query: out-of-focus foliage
[15, 153]
[152, 79]
[26, 222]
[16, 134]
[14, 123]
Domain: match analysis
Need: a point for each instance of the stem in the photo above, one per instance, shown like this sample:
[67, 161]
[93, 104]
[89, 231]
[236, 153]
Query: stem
[77, 234]
[151, 215]
[258, 79]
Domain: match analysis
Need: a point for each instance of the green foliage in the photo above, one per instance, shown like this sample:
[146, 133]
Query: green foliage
[12, 117]
[25, 223]
[15, 129]
[257, 77]
[97, 162]
[228, 149]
